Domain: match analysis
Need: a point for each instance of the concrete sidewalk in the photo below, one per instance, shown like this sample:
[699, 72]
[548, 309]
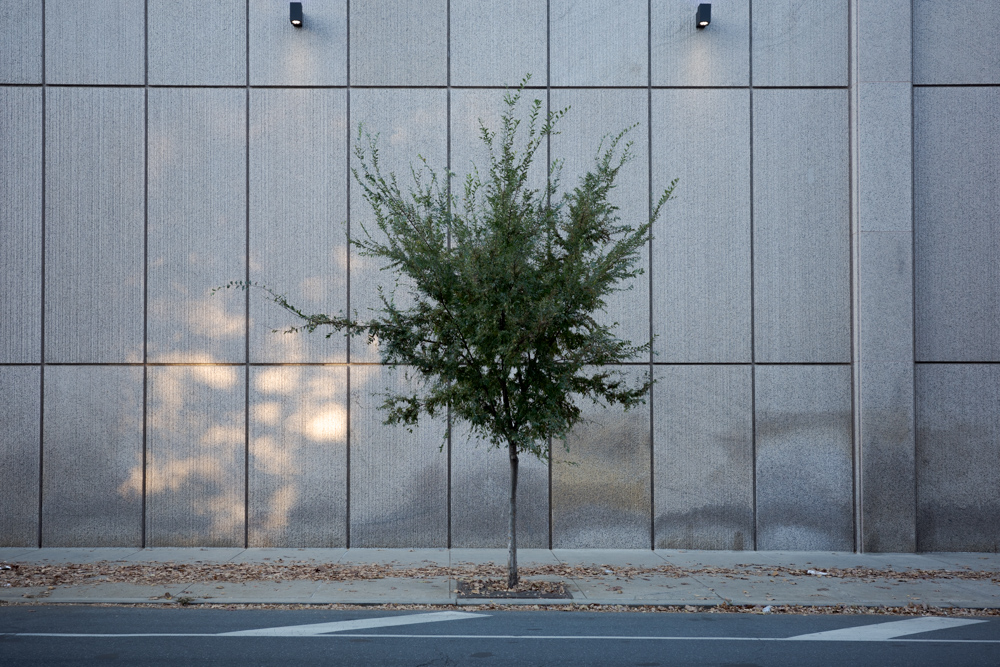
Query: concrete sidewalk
[621, 577]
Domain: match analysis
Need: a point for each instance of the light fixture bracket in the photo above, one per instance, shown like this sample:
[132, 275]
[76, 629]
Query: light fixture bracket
[703, 16]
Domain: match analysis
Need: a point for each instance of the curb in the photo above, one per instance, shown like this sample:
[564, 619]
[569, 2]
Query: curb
[183, 601]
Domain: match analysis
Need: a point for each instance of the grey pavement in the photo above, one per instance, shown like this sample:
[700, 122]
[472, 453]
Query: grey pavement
[746, 580]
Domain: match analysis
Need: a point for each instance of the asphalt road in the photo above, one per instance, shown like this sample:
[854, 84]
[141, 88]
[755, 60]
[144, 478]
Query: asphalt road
[81, 635]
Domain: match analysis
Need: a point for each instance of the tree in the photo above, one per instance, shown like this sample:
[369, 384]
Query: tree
[505, 286]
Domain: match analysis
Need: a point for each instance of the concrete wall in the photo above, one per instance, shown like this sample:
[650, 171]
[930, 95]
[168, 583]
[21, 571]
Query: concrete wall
[823, 290]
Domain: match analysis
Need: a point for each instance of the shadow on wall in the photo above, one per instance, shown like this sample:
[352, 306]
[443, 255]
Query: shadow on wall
[958, 508]
[710, 527]
[967, 527]
[399, 476]
[707, 493]
[601, 486]
[480, 495]
[804, 481]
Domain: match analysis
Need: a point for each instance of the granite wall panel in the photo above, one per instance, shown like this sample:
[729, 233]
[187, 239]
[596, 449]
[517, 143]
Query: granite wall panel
[701, 243]
[19, 451]
[601, 477]
[298, 456]
[312, 55]
[497, 43]
[94, 225]
[595, 43]
[196, 456]
[804, 464]
[801, 241]
[884, 157]
[20, 224]
[469, 153]
[800, 43]
[683, 55]
[99, 42]
[956, 205]
[882, 114]
[888, 468]
[399, 478]
[480, 495]
[298, 219]
[885, 285]
[197, 224]
[955, 42]
[92, 470]
[399, 43]
[703, 457]
[192, 43]
[21, 41]
[884, 36]
[958, 446]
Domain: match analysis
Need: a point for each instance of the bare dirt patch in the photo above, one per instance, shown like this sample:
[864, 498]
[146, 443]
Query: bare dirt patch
[525, 590]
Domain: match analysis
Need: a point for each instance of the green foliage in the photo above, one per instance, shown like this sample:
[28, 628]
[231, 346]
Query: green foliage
[505, 286]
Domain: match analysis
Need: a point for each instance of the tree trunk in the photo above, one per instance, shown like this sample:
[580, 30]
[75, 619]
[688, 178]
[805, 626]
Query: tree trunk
[512, 533]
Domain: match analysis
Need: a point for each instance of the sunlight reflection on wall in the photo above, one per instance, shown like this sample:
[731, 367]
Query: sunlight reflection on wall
[298, 217]
[298, 456]
[195, 441]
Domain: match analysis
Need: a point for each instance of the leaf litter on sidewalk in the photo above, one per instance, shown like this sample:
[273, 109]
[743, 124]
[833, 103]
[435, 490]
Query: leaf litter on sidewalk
[33, 574]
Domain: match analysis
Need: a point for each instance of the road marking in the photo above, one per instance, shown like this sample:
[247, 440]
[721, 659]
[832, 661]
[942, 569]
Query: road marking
[106, 636]
[641, 638]
[880, 632]
[689, 638]
[358, 624]
[889, 631]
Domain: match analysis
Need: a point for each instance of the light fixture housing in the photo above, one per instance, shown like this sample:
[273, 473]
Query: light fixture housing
[295, 14]
[703, 16]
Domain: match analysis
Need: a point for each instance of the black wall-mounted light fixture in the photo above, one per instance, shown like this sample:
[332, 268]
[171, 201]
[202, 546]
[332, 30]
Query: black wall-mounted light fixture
[704, 15]
[295, 14]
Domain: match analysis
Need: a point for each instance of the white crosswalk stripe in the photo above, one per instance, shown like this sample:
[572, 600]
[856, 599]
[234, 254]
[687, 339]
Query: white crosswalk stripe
[359, 624]
[880, 632]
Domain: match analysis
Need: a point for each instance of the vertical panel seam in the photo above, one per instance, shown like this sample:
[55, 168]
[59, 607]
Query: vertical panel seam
[246, 292]
[913, 284]
[649, 209]
[854, 255]
[145, 267]
[347, 301]
[753, 305]
[41, 369]
[448, 189]
[548, 178]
